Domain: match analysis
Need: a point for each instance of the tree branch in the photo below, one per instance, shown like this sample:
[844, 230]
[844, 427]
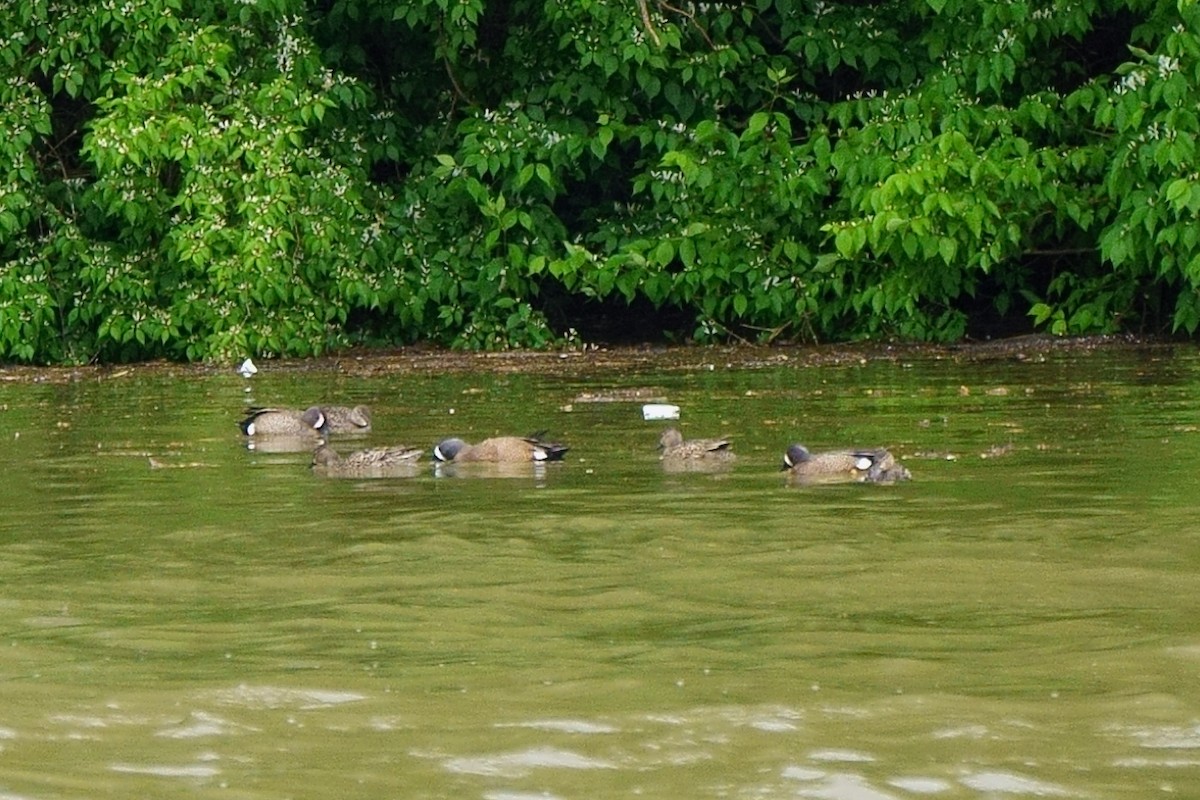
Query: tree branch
[647, 24]
[691, 18]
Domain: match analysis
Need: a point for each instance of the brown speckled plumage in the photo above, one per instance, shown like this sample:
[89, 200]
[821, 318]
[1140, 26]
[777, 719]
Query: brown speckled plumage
[372, 462]
[677, 449]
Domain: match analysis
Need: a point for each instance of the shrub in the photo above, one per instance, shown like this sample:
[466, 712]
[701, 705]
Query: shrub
[202, 181]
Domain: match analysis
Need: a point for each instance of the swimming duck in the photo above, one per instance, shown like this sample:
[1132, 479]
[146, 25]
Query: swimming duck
[373, 462]
[284, 422]
[342, 419]
[867, 466]
[681, 453]
[499, 449]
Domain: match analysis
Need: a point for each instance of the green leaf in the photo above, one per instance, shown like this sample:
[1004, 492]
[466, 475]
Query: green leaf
[687, 252]
[627, 285]
[949, 249]
[1179, 192]
[1040, 313]
[844, 242]
[524, 176]
[758, 121]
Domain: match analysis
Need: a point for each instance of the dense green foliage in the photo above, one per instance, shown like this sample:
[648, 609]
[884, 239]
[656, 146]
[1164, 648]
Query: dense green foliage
[199, 180]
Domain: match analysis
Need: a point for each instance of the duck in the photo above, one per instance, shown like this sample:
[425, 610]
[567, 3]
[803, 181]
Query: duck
[284, 422]
[677, 452]
[344, 419]
[500, 449]
[372, 462]
[863, 466]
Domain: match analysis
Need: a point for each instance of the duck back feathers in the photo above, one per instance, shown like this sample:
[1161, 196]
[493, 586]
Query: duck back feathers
[674, 447]
[376, 461]
[346, 419]
[284, 422]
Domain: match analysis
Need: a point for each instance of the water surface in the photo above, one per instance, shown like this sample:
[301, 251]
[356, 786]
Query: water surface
[1020, 620]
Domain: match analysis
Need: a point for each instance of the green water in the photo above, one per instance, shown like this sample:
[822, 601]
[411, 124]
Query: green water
[231, 626]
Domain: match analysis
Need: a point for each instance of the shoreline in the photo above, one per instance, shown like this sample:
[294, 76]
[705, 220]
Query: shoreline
[369, 362]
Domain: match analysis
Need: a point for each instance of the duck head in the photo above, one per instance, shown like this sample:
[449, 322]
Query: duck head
[324, 456]
[447, 449]
[314, 417]
[671, 437]
[796, 454]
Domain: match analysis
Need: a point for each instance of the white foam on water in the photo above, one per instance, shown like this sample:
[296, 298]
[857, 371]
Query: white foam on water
[283, 697]
[841, 756]
[562, 726]
[916, 784]
[1008, 783]
[203, 724]
[522, 762]
[167, 771]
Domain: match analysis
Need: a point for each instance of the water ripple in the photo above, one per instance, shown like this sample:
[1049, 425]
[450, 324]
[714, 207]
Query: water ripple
[167, 771]
[282, 697]
[522, 762]
[562, 726]
[1008, 783]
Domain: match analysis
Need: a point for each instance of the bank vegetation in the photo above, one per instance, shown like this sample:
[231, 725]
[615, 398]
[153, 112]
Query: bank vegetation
[203, 180]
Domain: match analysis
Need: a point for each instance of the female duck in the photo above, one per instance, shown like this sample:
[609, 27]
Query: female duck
[343, 419]
[678, 453]
[375, 462]
[864, 466]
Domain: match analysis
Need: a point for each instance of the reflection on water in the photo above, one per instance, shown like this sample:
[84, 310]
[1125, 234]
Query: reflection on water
[534, 471]
[184, 616]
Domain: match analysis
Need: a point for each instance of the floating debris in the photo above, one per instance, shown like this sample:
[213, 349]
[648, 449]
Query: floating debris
[247, 368]
[652, 411]
[635, 394]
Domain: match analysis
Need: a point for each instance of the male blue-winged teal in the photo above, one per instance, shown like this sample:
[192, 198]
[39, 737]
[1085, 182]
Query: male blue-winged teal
[688, 454]
[284, 422]
[499, 449]
[374, 462]
[296, 422]
[867, 466]
[343, 419]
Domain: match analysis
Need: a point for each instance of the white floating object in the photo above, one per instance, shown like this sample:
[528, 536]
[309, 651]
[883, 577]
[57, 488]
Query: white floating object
[660, 411]
[247, 368]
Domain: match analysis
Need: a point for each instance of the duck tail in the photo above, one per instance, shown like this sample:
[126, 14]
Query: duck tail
[553, 451]
[251, 415]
